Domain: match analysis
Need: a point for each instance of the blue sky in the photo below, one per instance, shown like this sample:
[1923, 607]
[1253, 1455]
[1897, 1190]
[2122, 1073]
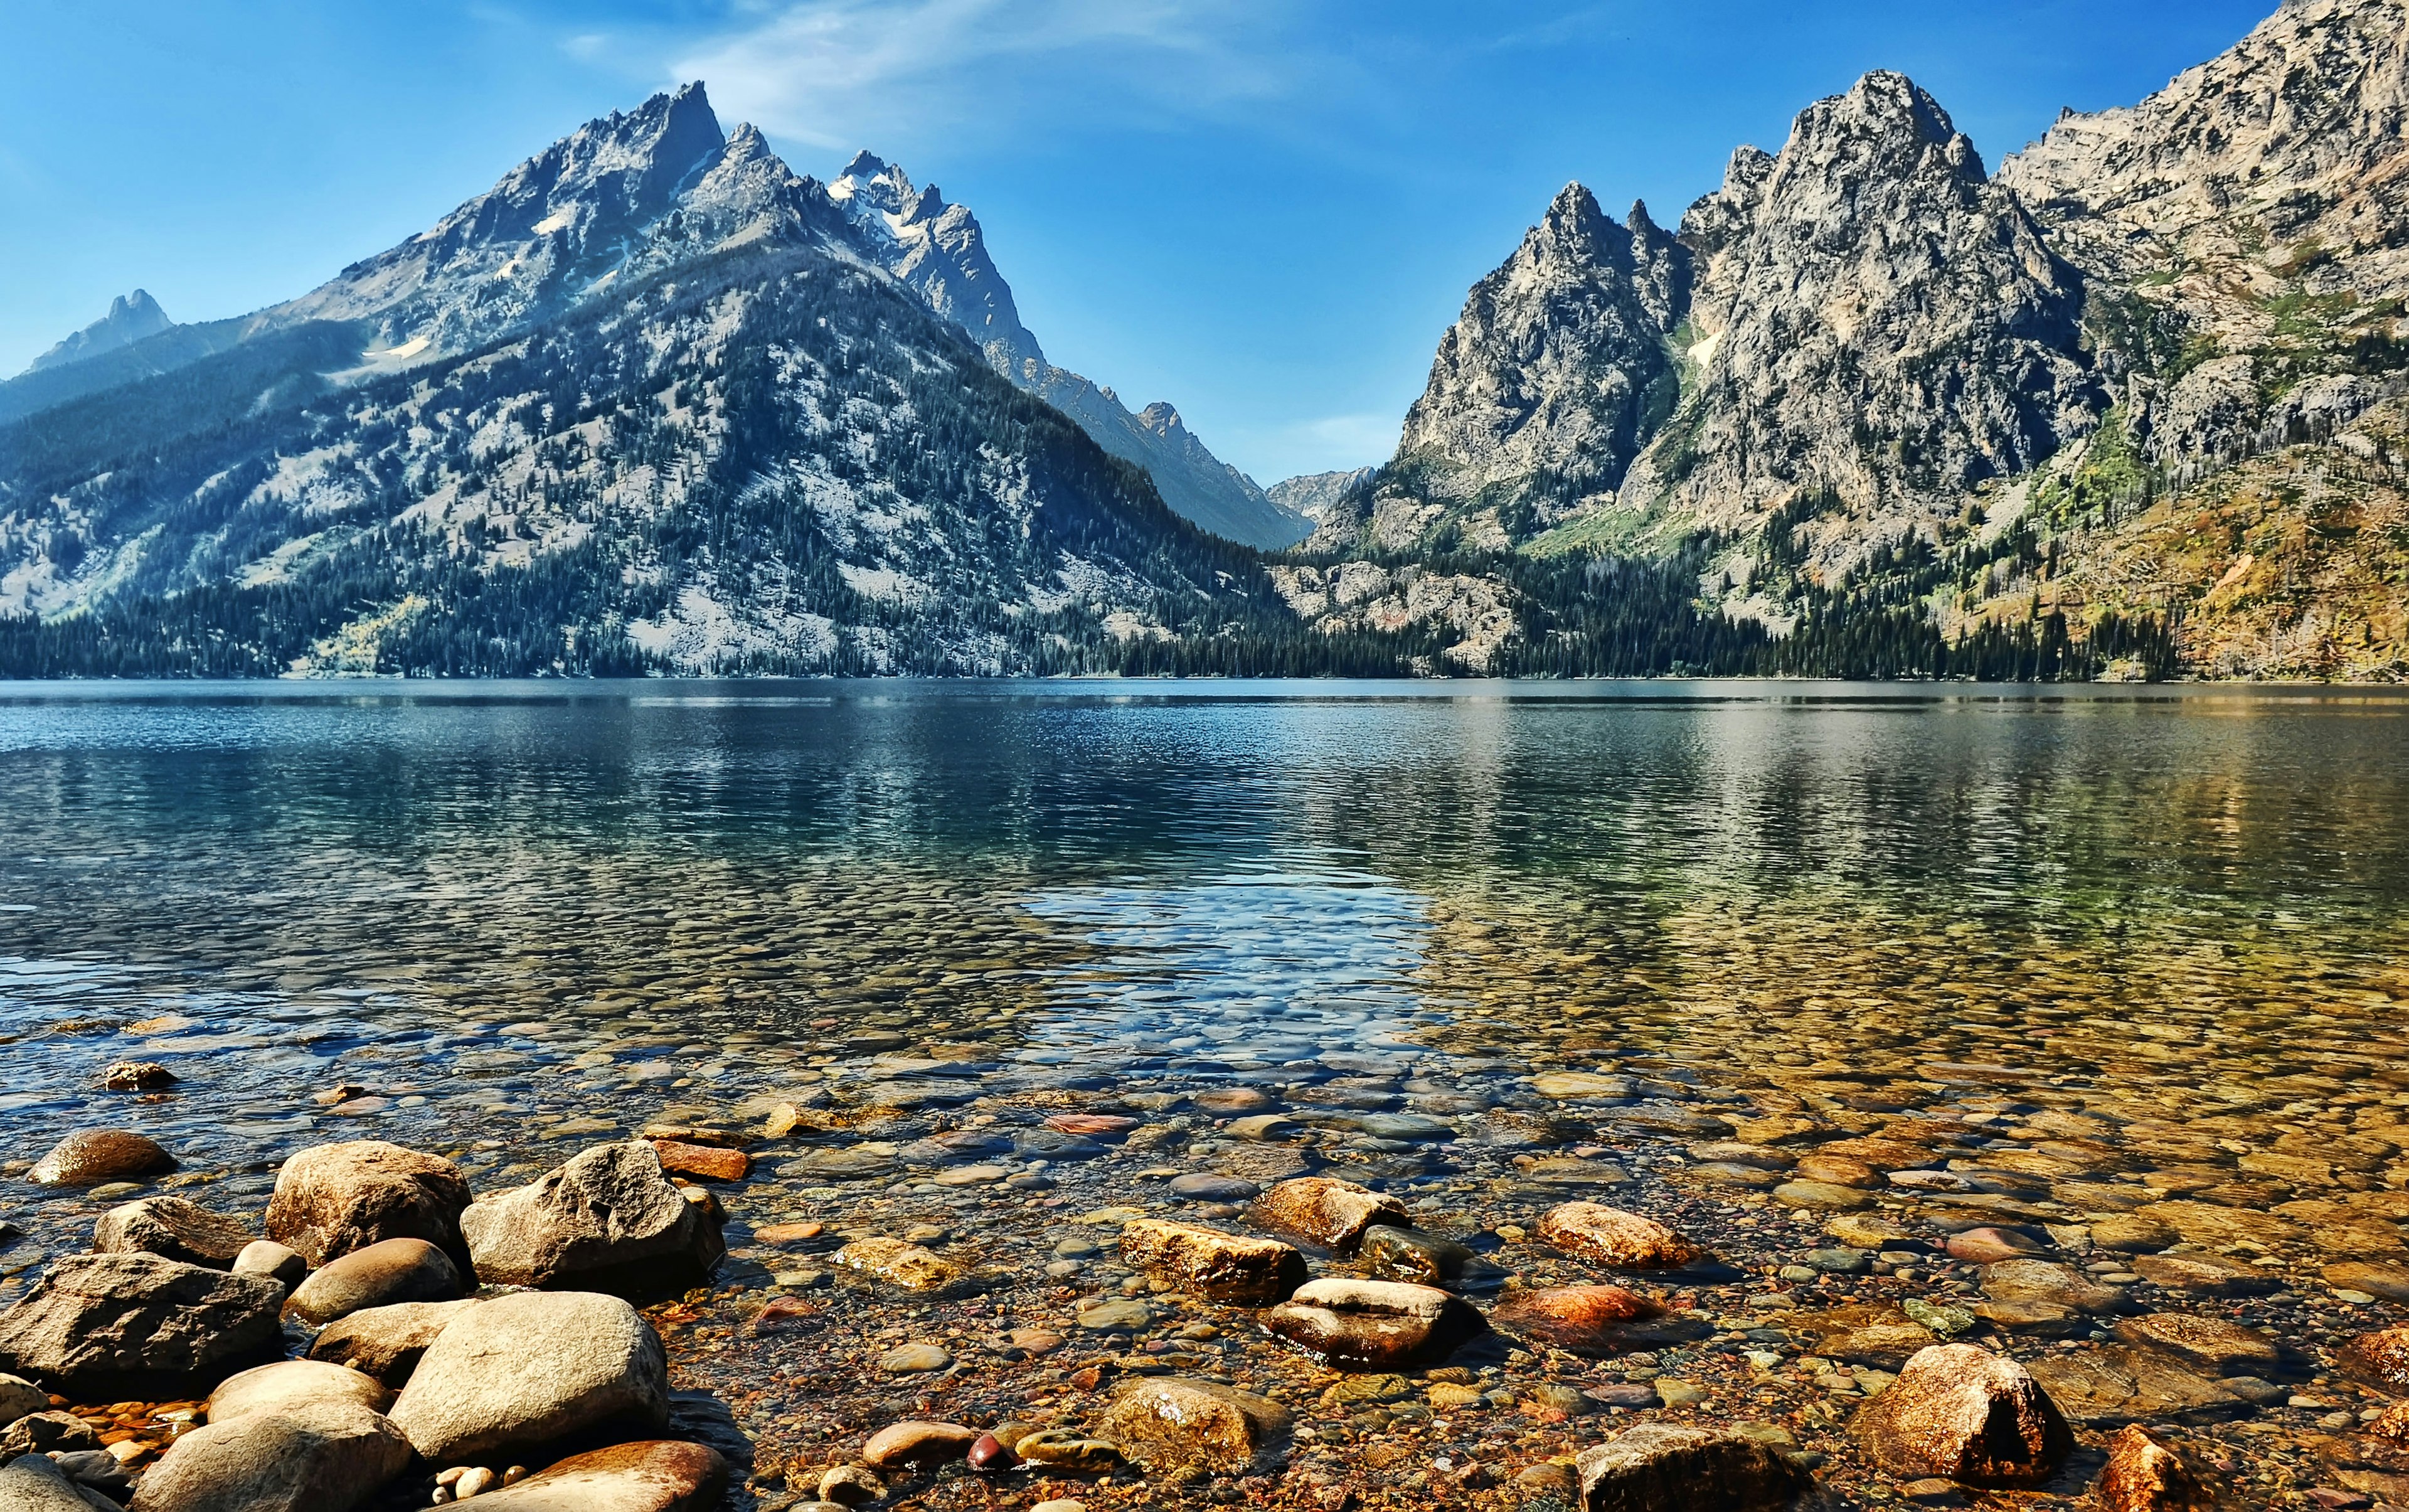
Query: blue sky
[1263, 210]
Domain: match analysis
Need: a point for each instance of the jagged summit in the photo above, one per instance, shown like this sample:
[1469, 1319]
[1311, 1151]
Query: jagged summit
[131, 318]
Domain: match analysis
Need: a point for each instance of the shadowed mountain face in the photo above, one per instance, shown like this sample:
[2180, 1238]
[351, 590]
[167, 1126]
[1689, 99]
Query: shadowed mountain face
[1877, 395]
[131, 317]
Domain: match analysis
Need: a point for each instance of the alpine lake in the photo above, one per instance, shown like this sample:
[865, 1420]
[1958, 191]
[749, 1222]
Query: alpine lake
[1825, 977]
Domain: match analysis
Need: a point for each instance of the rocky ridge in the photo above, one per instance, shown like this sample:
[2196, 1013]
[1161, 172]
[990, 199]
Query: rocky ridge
[131, 318]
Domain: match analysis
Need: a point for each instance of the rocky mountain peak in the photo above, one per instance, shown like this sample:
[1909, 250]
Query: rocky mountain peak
[1162, 419]
[131, 317]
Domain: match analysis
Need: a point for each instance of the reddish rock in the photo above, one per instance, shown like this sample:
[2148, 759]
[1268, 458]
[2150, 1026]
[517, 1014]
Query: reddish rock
[990, 1455]
[1327, 1212]
[704, 1163]
[1091, 1125]
[2381, 1357]
[1224, 1267]
[1617, 1240]
[788, 1233]
[1988, 1246]
[1967, 1415]
[918, 1444]
[2143, 1475]
[1598, 1321]
[333, 1198]
[650, 1475]
[93, 1157]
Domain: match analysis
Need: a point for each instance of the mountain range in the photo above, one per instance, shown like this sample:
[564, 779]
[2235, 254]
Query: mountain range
[2133, 405]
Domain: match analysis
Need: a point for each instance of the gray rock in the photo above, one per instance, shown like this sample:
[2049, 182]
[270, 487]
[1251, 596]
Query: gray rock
[1666, 1467]
[172, 1226]
[268, 1259]
[321, 1457]
[18, 1397]
[47, 1433]
[530, 1369]
[608, 1220]
[386, 1343]
[34, 1483]
[333, 1199]
[113, 1328]
[653, 1475]
[382, 1275]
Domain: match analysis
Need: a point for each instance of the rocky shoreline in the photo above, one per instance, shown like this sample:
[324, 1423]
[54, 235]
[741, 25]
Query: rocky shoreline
[1161, 1296]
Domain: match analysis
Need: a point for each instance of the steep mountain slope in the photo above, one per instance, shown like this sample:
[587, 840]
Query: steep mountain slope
[1312, 494]
[940, 250]
[647, 404]
[131, 317]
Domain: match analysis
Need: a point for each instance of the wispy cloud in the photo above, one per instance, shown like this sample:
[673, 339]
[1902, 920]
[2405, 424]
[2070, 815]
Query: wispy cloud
[839, 73]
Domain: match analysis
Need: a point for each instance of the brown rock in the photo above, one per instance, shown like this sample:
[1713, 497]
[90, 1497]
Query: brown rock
[1373, 1325]
[1091, 1125]
[2045, 1281]
[1838, 1171]
[93, 1157]
[116, 1327]
[2110, 1386]
[1617, 1240]
[1880, 1335]
[2128, 1234]
[1224, 1267]
[1964, 1413]
[918, 1444]
[294, 1383]
[1595, 1321]
[650, 1475]
[703, 1162]
[1326, 1212]
[381, 1275]
[1664, 1467]
[386, 1342]
[2145, 1475]
[328, 1456]
[788, 1233]
[173, 1228]
[2389, 1282]
[723, 1139]
[1774, 1131]
[607, 1220]
[2207, 1343]
[266, 1258]
[1165, 1423]
[47, 1433]
[2381, 1357]
[1234, 1099]
[2202, 1275]
[333, 1198]
[137, 1076]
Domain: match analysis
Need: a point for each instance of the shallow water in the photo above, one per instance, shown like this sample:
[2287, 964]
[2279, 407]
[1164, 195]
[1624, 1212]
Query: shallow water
[2136, 949]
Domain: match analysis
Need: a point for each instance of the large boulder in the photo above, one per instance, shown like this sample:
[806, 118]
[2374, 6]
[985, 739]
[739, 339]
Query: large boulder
[294, 1383]
[173, 1227]
[386, 1342]
[333, 1198]
[1373, 1325]
[93, 1157]
[1667, 1467]
[1326, 1212]
[655, 1475]
[1615, 1239]
[34, 1483]
[1164, 1423]
[1210, 1263]
[608, 1220]
[381, 1275]
[533, 1368]
[316, 1457]
[119, 1328]
[1963, 1413]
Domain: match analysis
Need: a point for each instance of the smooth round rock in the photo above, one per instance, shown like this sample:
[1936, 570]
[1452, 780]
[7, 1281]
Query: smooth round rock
[914, 1360]
[1615, 1239]
[333, 1198]
[97, 1157]
[532, 1368]
[381, 1275]
[329, 1456]
[294, 1383]
[647, 1476]
[267, 1258]
[387, 1343]
[1165, 1424]
[918, 1444]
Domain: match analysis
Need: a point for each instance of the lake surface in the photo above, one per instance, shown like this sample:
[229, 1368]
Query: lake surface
[2140, 949]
